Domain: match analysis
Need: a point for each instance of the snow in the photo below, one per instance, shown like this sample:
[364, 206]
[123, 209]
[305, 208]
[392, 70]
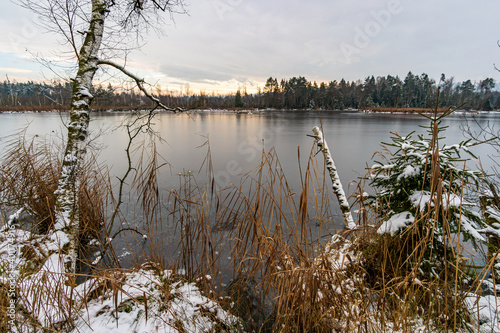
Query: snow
[124, 254]
[419, 199]
[153, 300]
[450, 147]
[341, 257]
[493, 213]
[382, 166]
[491, 231]
[59, 240]
[18, 241]
[79, 103]
[62, 221]
[93, 242]
[45, 294]
[15, 217]
[340, 254]
[486, 308]
[98, 257]
[396, 223]
[469, 227]
[407, 146]
[70, 158]
[409, 171]
[173, 304]
[85, 92]
[122, 311]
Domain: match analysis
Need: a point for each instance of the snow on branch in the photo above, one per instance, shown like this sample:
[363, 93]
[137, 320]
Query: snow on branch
[337, 185]
[140, 84]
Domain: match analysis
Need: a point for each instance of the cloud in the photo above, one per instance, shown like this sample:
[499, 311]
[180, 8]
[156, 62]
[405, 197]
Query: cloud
[15, 70]
[194, 73]
[241, 41]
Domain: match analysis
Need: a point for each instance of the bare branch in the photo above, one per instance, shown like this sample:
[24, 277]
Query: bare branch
[71, 14]
[62, 17]
[140, 84]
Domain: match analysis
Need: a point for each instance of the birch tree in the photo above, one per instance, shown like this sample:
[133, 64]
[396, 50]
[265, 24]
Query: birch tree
[336, 183]
[95, 33]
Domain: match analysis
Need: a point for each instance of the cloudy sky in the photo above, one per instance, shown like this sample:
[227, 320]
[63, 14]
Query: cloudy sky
[226, 44]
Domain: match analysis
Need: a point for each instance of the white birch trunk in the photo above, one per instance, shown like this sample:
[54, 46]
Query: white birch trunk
[67, 192]
[337, 185]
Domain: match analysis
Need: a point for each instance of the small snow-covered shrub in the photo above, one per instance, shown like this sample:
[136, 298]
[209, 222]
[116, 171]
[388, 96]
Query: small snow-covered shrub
[426, 203]
[427, 185]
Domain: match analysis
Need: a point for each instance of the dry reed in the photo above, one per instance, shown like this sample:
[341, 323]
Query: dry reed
[264, 250]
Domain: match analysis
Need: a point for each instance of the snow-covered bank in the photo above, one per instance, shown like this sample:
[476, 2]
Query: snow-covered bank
[148, 299]
[151, 299]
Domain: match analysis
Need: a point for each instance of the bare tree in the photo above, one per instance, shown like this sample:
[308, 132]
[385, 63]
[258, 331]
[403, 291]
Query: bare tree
[95, 33]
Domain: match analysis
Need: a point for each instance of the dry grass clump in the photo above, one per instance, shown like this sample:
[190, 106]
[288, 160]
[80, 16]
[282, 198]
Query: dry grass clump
[30, 170]
[30, 173]
[29, 176]
[410, 289]
[248, 236]
[4, 308]
[285, 277]
[326, 294]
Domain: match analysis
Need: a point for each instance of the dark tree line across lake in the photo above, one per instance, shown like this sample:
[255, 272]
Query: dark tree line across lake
[414, 91]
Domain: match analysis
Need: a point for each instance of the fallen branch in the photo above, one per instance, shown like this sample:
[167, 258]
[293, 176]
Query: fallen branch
[337, 185]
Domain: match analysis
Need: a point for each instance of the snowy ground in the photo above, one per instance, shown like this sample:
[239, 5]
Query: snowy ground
[172, 306]
[148, 299]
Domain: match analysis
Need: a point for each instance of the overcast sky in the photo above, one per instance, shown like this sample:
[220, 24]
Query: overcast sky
[225, 44]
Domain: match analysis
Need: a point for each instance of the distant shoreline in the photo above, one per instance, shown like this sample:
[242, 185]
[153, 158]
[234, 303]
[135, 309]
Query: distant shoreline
[382, 110]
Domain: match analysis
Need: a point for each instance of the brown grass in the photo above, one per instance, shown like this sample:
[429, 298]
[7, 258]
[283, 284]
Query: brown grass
[283, 276]
[30, 172]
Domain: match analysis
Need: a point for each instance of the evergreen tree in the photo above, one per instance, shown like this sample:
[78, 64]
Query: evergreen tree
[238, 101]
[423, 187]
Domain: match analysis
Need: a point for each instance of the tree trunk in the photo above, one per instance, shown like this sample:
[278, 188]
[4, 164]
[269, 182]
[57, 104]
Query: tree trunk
[67, 215]
[337, 185]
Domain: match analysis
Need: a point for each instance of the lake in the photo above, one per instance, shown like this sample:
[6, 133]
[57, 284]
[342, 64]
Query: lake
[236, 140]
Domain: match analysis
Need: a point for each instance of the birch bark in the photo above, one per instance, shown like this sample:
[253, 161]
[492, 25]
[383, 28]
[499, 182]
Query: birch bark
[66, 208]
[337, 185]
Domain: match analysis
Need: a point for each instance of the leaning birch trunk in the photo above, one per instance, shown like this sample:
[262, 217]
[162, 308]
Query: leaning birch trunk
[337, 185]
[66, 209]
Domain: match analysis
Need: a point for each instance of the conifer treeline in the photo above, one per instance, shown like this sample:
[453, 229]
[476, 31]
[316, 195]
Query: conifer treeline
[414, 91]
